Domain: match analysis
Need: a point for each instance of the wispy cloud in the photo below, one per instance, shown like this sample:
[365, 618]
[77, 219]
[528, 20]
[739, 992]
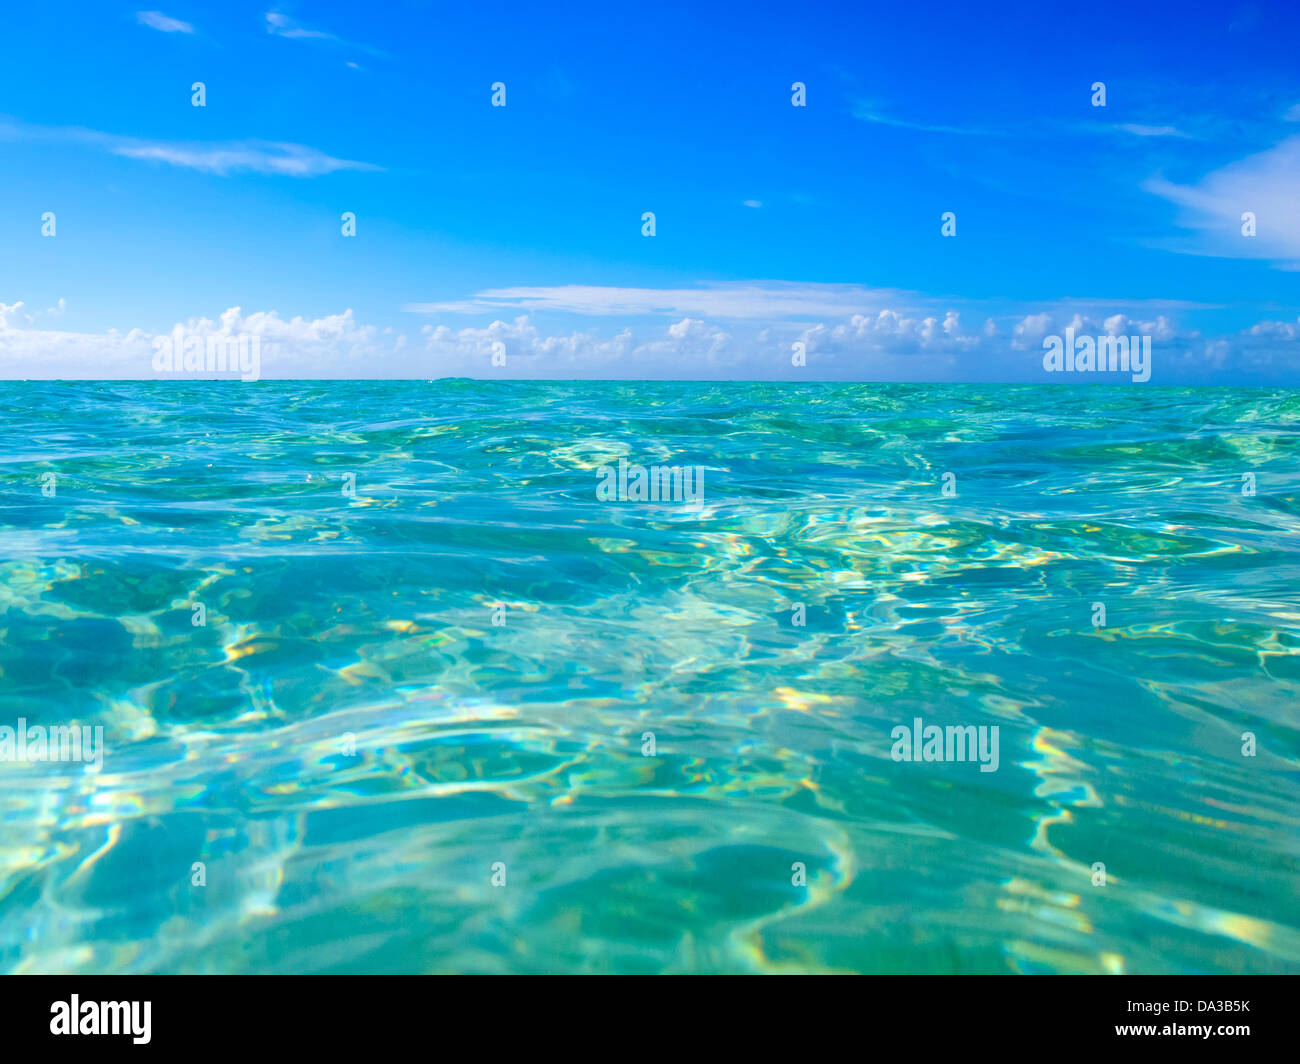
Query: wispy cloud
[866, 111]
[1139, 130]
[281, 25]
[222, 158]
[262, 157]
[158, 21]
[758, 300]
[1266, 184]
[278, 24]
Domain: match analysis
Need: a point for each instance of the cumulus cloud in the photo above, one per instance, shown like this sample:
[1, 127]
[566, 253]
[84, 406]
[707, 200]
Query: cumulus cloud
[30, 352]
[886, 344]
[12, 316]
[332, 346]
[687, 348]
[698, 341]
[1282, 330]
[469, 351]
[901, 332]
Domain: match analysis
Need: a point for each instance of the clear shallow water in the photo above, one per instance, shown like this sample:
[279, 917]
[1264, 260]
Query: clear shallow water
[371, 617]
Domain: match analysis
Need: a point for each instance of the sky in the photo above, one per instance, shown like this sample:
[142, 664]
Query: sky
[517, 230]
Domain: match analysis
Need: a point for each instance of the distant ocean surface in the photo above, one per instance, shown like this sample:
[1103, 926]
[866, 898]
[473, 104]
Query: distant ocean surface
[447, 676]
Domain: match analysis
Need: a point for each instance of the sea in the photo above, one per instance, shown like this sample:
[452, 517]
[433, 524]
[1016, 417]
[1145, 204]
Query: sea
[379, 679]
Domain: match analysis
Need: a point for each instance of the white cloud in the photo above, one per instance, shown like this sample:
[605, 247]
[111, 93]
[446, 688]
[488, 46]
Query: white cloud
[158, 21]
[866, 111]
[895, 331]
[757, 300]
[468, 351]
[1282, 330]
[1028, 333]
[262, 157]
[281, 25]
[1267, 184]
[333, 346]
[689, 348]
[222, 158]
[278, 24]
[1151, 131]
[887, 344]
[695, 340]
[27, 352]
[12, 316]
[1031, 329]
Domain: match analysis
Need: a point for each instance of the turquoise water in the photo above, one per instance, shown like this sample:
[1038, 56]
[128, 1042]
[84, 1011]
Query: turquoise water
[337, 622]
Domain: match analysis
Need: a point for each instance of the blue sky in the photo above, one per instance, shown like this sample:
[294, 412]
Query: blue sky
[774, 224]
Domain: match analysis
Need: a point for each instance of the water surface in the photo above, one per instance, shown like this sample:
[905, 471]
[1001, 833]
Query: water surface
[339, 622]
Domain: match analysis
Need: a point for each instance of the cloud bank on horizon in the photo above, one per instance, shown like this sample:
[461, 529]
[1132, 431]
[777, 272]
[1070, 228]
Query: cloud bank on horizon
[413, 195]
[874, 343]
